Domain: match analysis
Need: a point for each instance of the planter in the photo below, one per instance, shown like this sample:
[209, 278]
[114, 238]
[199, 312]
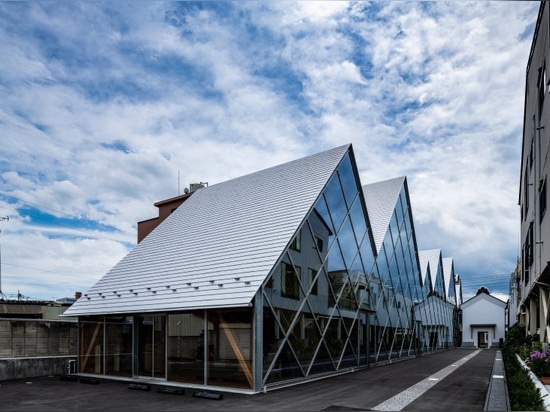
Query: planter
[545, 380]
[538, 383]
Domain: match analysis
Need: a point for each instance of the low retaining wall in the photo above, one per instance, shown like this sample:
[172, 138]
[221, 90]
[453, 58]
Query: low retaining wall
[21, 368]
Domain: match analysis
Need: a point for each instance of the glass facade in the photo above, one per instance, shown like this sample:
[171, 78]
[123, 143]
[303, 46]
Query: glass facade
[315, 300]
[172, 347]
[330, 304]
[397, 291]
[91, 344]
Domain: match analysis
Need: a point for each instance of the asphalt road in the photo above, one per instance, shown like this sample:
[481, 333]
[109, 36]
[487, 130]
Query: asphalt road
[451, 380]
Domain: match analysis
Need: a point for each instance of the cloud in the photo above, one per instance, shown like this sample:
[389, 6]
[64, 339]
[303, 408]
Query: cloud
[108, 108]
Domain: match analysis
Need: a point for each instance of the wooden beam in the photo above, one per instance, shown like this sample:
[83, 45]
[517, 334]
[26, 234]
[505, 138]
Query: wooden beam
[90, 347]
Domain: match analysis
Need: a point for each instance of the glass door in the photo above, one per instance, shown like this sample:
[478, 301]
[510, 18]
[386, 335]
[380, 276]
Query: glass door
[151, 346]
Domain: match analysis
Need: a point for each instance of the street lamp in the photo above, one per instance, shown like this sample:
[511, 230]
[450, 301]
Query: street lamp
[2, 219]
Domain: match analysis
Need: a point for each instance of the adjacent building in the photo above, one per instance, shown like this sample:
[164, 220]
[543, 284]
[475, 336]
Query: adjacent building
[534, 277]
[281, 276]
[514, 296]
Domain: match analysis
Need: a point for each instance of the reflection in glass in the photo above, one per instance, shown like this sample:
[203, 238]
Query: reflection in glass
[90, 358]
[186, 347]
[329, 304]
[311, 322]
[230, 348]
[119, 339]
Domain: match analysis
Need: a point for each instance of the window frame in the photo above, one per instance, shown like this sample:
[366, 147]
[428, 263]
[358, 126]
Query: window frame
[312, 273]
[296, 243]
[290, 280]
[543, 202]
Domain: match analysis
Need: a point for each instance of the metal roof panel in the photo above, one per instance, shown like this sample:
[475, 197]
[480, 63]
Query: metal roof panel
[381, 199]
[233, 230]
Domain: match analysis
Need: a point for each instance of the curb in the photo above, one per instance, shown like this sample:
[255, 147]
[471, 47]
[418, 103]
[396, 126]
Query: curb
[497, 394]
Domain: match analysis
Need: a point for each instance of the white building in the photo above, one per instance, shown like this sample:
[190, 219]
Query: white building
[483, 320]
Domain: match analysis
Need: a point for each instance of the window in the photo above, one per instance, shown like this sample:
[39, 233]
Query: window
[528, 253]
[290, 285]
[296, 242]
[531, 151]
[542, 87]
[526, 192]
[542, 200]
[318, 244]
[529, 245]
[312, 273]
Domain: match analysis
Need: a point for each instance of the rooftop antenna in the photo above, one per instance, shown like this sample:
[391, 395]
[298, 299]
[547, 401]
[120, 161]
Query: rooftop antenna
[2, 295]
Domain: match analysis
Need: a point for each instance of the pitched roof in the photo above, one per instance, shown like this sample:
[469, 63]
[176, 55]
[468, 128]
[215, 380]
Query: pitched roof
[483, 296]
[429, 258]
[448, 275]
[424, 265]
[218, 247]
[435, 260]
[381, 199]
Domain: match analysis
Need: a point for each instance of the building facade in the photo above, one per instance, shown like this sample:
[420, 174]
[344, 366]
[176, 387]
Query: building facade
[277, 277]
[534, 280]
[483, 321]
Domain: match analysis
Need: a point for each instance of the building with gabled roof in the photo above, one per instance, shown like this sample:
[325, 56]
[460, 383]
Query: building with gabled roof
[396, 283]
[483, 320]
[443, 326]
[382, 198]
[434, 258]
[265, 280]
[454, 296]
[449, 280]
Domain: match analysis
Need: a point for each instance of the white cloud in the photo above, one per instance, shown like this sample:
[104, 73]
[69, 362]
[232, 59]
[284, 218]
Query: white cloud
[104, 106]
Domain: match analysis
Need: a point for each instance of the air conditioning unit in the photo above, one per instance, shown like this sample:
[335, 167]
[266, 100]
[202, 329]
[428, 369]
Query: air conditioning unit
[196, 186]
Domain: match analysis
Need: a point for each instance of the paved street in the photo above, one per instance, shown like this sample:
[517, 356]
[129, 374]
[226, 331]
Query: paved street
[452, 380]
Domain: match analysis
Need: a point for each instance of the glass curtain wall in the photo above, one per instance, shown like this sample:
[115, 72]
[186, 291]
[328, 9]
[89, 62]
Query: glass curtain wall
[186, 347]
[150, 349]
[314, 300]
[91, 338]
[230, 346]
[113, 345]
[397, 280]
[221, 357]
[397, 290]
[118, 345]
[171, 347]
[438, 330]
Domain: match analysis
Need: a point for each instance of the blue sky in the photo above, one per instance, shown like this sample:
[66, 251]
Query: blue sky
[108, 107]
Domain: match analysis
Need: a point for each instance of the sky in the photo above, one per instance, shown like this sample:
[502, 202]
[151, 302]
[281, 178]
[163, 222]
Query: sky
[109, 107]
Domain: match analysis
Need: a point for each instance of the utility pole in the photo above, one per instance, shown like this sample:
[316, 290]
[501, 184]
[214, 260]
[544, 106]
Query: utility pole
[2, 219]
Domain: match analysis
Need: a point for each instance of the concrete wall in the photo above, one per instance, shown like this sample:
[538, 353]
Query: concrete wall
[36, 347]
[36, 338]
[21, 368]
